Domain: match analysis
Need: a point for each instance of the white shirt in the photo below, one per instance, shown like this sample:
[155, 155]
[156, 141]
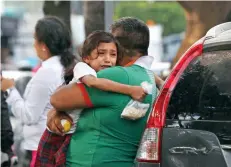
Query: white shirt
[145, 62]
[33, 107]
[81, 69]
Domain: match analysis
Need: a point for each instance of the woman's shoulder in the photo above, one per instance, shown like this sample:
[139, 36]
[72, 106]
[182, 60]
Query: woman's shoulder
[48, 74]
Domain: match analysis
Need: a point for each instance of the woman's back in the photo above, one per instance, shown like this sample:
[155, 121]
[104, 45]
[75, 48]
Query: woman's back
[103, 138]
[44, 82]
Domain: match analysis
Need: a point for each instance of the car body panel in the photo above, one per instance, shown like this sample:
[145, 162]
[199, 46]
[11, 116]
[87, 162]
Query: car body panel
[220, 128]
[191, 148]
[145, 164]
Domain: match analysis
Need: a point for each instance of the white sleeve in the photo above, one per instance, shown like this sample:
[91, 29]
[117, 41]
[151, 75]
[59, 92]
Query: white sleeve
[29, 109]
[82, 69]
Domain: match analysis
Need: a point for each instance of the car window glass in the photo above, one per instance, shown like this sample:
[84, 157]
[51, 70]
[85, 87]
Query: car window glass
[203, 91]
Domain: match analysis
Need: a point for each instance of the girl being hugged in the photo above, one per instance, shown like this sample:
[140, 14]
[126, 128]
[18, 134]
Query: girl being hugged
[100, 50]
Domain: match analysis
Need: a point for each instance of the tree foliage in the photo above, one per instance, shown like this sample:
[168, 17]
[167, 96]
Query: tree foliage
[169, 14]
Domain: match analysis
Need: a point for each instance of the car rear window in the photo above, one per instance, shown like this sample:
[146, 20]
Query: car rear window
[203, 93]
[204, 89]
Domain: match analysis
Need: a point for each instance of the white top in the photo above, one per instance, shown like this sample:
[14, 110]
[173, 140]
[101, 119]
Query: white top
[33, 107]
[81, 69]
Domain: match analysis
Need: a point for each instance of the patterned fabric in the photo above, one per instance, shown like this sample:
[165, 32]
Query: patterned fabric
[52, 150]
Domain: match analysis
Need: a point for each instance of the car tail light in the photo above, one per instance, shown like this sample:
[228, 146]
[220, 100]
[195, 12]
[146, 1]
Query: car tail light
[150, 145]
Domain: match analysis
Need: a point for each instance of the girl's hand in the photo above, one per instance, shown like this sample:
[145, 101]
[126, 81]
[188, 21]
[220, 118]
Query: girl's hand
[137, 93]
[6, 83]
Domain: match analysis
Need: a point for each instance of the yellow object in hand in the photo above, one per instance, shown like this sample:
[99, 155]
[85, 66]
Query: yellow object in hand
[66, 125]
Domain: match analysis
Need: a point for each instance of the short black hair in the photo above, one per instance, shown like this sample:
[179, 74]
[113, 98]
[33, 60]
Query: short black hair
[133, 35]
[94, 39]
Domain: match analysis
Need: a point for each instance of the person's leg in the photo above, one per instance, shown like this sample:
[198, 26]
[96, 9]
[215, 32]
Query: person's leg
[33, 158]
[7, 135]
[27, 160]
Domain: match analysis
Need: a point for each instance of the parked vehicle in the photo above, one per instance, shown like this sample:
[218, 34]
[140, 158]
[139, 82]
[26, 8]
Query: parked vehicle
[190, 125]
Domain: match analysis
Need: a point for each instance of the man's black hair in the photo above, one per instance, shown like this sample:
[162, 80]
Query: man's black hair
[132, 34]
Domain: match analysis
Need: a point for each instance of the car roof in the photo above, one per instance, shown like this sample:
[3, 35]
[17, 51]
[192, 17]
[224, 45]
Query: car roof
[218, 35]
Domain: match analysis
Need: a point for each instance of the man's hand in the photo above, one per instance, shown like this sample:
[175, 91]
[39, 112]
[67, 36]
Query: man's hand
[54, 121]
[6, 83]
[159, 82]
[137, 93]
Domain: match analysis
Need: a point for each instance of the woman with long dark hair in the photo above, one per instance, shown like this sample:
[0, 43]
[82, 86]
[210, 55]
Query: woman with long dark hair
[52, 42]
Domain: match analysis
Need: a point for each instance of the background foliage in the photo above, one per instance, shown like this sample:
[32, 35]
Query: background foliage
[168, 14]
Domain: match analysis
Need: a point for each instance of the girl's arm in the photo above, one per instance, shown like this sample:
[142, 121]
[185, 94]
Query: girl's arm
[136, 92]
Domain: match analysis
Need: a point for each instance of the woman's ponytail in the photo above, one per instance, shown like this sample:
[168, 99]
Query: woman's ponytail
[68, 60]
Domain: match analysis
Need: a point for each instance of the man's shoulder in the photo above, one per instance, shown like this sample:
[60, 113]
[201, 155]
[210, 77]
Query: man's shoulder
[112, 72]
[112, 69]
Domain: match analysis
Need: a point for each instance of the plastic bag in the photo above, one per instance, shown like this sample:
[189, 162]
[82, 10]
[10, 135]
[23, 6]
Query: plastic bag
[135, 109]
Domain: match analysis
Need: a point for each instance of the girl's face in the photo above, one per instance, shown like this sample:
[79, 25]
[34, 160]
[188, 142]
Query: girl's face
[104, 56]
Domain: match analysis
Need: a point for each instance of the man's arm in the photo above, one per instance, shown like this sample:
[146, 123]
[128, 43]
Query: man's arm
[69, 97]
[136, 92]
[159, 81]
[75, 96]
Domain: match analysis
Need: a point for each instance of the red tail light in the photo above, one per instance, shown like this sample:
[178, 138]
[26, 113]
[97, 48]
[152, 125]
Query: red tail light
[150, 146]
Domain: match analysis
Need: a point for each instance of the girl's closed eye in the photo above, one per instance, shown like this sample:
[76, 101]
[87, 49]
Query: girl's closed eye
[113, 54]
[101, 53]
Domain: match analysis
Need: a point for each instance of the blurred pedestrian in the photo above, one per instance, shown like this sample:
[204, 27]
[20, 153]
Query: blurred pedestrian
[52, 42]
[9, 27]
[7, 136]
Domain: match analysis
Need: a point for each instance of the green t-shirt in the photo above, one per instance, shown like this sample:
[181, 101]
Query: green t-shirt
[102, 137]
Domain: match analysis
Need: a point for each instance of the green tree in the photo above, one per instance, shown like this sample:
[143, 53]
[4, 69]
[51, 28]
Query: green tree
[168, 14]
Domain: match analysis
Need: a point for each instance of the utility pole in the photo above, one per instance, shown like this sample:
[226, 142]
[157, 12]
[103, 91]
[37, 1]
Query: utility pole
[108, 14]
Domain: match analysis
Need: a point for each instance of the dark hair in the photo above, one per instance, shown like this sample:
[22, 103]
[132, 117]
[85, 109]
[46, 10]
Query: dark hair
[133, 35]
[56, 35]
[94, 39]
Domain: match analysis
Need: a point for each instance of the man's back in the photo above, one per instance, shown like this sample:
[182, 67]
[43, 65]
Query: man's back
[103, 138]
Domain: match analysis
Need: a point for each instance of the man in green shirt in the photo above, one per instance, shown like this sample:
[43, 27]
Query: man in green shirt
[103, 138]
